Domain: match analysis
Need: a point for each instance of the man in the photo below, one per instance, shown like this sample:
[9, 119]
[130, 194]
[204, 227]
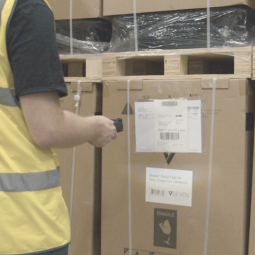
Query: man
[33, 216]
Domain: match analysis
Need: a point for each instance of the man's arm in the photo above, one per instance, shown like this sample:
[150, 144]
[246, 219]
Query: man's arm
[51, 126]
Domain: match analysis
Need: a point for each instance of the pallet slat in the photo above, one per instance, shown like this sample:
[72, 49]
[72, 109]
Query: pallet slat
[228, 62]
[235, 62]
[82, 67]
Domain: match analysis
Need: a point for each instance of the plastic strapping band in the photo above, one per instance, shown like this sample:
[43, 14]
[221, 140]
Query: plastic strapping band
[210, 165]
[208, 24]
[135, 26]
[77, 98]
[71, 27]
[129, 171]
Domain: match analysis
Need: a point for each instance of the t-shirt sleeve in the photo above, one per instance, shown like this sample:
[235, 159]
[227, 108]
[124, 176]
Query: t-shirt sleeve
[32, 51]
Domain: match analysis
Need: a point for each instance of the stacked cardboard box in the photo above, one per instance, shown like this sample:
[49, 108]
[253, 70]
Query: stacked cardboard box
[168, 202]
[80, 174]
[80, 9]
[113, 7]
[252, 216]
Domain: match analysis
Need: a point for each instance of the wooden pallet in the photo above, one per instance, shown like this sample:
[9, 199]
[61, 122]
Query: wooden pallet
[230, 62]
[83, 67]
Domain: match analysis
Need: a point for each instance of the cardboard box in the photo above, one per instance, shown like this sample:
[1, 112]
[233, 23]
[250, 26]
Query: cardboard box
[252, 216]
[117, 7]
[199, 206]
[85, 204]
[81, 9]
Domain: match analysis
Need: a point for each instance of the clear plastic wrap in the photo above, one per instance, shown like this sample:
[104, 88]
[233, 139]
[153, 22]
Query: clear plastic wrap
[229, 27]
[79, 46]
[88, 36]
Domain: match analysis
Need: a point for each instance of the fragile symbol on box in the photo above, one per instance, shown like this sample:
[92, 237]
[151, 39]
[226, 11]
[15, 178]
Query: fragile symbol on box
[165, 228]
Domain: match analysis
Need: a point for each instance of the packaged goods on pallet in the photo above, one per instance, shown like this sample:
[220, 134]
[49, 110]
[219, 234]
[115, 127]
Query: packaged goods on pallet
[88, 35]
[229, 27]
[164, 192]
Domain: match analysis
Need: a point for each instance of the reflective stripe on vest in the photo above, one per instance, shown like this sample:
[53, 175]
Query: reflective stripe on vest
[16, 182]
[8, 97]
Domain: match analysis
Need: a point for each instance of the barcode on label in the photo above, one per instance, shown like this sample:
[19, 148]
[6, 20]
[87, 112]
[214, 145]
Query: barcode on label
[157, 192]
[169, 103]
[193, 107]
[169, 136]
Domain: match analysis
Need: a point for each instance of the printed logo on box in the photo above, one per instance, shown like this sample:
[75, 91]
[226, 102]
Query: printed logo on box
[165, 228]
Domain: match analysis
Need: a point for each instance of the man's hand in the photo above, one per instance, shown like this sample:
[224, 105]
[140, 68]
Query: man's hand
[51, 126]
[103, 131]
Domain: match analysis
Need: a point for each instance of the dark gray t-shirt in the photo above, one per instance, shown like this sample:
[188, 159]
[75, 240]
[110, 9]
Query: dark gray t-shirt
[32, 49]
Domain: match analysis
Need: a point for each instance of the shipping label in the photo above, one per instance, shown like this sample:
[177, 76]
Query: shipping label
[168, 125]
[169, 186]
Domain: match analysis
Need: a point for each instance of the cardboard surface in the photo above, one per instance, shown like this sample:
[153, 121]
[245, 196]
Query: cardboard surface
[252, 216]
[81, 9]
[86, 159]
[119, 7]
[221, 230]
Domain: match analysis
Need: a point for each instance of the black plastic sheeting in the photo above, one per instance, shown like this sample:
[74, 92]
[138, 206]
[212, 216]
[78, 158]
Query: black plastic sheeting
[89, 35]
[229, 27]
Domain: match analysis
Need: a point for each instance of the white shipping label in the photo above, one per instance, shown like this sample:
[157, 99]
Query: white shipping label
[169, 186]
[195, 126]
[144, 124]
[171, 125]
[168, 126]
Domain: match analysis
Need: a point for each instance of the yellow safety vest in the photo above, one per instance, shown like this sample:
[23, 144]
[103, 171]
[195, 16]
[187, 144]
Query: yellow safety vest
[33, 214]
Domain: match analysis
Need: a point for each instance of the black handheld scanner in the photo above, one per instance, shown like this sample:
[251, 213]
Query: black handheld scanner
[118, 124]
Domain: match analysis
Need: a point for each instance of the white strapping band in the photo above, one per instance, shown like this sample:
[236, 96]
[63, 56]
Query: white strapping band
[129, 171]
[210, 165]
